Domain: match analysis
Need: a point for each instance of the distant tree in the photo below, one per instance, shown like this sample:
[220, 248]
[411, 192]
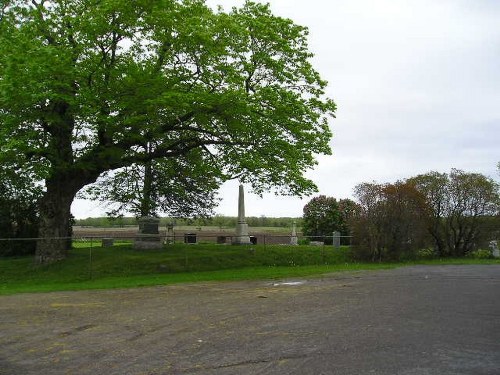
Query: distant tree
[471, 196]
[434, 187]
[324, 215]
[391, 222]
[86, 85]
[457, 203]
[367, 226]
[349, 210]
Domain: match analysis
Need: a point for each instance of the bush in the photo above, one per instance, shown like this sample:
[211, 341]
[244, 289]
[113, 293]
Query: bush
[426, 253]
[480, 254]
[304, 241]
[17, 220]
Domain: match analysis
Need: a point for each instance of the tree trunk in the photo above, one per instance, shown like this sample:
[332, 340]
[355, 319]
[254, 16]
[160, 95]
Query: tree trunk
[146, 203]
[55, 218]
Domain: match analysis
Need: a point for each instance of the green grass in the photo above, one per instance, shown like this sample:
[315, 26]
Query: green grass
[121, 266]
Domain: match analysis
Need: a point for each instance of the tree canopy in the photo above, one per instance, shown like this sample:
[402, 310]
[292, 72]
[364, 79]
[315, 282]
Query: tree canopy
[86, 85]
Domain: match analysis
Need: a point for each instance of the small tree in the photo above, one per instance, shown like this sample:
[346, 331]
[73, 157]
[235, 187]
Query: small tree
[391, 222]
[457, 204]
[324, 215]
[434, 187]
[471, 197]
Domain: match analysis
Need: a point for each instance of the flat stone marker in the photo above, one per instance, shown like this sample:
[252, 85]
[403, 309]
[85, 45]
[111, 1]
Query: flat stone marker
[107, 242]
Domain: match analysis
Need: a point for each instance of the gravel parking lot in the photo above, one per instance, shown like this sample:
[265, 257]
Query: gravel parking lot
[413, 320]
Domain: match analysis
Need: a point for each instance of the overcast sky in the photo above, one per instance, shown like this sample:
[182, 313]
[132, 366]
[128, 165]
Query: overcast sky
[417, 85]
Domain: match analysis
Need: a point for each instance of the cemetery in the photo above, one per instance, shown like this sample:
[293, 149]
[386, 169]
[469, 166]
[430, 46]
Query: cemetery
[388, 261]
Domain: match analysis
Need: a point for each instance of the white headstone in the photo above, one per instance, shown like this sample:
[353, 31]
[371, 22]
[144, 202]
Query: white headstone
[293, 239]
[336, 239]
[494, 249]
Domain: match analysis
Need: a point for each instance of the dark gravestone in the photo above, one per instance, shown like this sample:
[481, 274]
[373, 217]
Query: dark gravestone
[190, 238]
[148, 236]
[107, 242]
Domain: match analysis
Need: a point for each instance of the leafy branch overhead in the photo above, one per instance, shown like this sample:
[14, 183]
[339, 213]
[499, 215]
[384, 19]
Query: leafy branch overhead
[96, 81]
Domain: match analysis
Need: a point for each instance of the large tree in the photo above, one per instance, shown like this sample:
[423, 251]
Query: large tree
[86, 85]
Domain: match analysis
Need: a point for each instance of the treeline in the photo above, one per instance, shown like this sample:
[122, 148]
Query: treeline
[217, 221]
[429, 215]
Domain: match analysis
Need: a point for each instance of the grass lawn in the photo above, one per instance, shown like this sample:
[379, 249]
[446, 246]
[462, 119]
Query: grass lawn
[121, 266]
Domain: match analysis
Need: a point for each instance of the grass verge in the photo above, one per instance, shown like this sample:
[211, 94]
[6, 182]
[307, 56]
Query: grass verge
[123, 267]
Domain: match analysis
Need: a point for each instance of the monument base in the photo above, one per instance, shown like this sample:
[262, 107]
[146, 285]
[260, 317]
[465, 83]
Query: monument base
[148, 242]
[241, 237]
[148, 236]
[241, 240]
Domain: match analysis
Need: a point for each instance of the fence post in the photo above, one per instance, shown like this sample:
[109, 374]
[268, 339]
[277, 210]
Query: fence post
[90, 259]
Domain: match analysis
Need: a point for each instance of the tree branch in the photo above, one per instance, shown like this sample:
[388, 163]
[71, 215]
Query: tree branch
[39, 8]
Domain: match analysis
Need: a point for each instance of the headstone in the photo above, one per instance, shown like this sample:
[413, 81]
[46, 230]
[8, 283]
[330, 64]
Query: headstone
[494, 249]
[190, 238]
[170, 233]
[148, 236]
[316, 243]
[336, 239]
[293, 239]
[241, 237]
[107, 242]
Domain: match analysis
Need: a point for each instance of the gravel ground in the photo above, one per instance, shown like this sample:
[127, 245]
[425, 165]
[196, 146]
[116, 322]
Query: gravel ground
[417, 320]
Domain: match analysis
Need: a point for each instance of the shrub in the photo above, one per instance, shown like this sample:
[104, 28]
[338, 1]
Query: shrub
[480, 254]
[18, 220]
[304, 241]
[426, 253]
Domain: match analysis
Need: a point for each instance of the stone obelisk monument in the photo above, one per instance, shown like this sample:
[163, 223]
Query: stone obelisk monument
[294, 239]
[241, 237]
